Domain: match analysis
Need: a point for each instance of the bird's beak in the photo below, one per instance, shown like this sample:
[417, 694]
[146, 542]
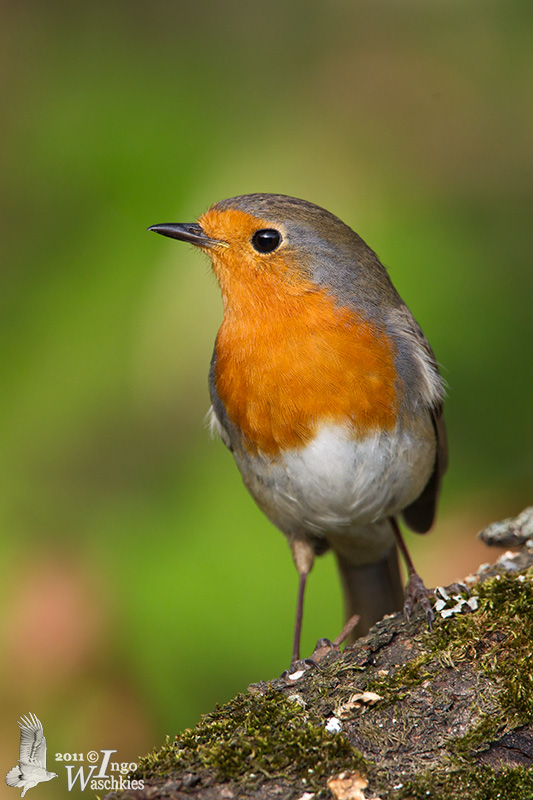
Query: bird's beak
[187, 232]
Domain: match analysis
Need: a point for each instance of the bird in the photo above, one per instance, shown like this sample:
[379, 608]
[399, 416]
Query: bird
[31, 768]
[327, 393]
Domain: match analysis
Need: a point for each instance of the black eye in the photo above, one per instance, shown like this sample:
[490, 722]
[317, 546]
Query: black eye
[266, 240]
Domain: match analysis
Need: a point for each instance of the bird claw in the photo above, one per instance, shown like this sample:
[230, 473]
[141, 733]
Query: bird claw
[417, 594]
[297, 669]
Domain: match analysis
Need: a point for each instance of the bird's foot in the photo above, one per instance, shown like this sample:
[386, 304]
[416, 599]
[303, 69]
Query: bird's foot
[297, 669]
[417, 594]
[322, 648]
[454, 588]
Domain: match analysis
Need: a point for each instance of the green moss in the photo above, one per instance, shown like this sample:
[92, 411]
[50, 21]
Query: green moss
[396, 685]
[499, 638]
[479, 736]
[482, 783]
[253, 738]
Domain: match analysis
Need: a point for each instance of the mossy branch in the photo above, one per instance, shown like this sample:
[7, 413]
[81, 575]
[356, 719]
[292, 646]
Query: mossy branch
[403, 714]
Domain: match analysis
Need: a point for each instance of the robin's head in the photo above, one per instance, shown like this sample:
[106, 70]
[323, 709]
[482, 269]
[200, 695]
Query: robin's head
[288, 242]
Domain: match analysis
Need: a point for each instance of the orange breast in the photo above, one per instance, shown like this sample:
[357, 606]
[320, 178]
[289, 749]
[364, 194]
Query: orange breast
[287, 361]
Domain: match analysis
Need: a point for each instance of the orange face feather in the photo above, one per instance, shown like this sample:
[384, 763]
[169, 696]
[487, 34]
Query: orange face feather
[288, 357]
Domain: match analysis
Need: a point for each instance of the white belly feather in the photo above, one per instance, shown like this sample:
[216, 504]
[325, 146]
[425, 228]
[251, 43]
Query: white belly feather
[336, 484]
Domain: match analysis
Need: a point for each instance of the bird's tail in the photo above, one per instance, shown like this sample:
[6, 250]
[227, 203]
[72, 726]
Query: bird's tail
[370, 590]
[13, 777]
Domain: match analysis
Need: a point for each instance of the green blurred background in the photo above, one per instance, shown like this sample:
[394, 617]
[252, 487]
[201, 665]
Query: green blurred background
[139, 583]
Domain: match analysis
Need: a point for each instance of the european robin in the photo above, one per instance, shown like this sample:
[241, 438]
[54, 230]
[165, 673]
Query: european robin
[326, 391]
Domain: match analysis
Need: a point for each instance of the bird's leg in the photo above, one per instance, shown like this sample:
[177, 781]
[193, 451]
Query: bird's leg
[299, 617]
[415, 591]
[303, 555]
